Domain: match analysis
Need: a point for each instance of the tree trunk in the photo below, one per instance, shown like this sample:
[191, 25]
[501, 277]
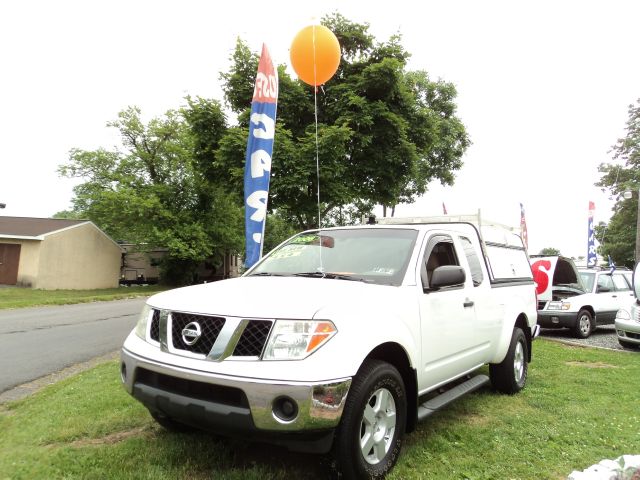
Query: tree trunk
[384, 210]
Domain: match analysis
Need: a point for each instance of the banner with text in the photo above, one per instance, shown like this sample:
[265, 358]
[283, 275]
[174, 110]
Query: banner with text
[262, 127]
[592, 258]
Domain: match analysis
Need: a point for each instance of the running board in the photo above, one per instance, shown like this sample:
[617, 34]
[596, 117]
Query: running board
[436, 403]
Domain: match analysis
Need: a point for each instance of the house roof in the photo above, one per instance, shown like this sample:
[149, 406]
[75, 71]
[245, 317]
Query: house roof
[27, 227]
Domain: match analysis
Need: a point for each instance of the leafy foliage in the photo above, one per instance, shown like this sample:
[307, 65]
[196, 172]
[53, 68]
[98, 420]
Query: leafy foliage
[165, 189]
[549, 251]
[618, 237]
[383, 132]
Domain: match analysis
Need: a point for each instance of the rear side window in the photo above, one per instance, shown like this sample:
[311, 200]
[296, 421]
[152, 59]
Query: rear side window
[474, 262]
[508, 263]
[620, 282]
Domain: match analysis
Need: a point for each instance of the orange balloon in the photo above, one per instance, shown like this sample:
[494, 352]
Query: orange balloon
[327, 54]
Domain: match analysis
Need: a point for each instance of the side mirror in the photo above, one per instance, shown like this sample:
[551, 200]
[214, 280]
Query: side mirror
[636, 281]
[448, 276]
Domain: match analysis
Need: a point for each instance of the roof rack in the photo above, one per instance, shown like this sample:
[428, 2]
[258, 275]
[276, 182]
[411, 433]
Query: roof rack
[490, 231]
[621, 268]
[474, 219]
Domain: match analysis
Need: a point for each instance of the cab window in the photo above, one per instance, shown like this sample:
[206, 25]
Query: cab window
[605, 283]
[440, 251]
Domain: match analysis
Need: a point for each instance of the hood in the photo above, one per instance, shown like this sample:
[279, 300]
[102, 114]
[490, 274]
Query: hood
[554, 272]
[266, 297]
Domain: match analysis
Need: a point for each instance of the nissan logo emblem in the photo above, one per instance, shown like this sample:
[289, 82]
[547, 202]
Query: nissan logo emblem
[191, 333]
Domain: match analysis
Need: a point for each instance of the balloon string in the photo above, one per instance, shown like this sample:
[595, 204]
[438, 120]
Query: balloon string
[315, 113]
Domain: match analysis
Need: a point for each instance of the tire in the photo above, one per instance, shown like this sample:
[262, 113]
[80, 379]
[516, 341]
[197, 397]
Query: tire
[170, 424]
[369, 438]
[584, 324]
[510, 375]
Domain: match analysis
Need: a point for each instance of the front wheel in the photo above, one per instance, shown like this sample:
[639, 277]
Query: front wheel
[584, 324]
[510, 375]
[369, 438]
[625, 344]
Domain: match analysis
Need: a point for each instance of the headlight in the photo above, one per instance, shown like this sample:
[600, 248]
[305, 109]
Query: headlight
[297, 339]
[143, 319]
[558, 306]
[623, 315]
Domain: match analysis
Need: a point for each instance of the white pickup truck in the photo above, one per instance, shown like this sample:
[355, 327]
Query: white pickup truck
[341, 338]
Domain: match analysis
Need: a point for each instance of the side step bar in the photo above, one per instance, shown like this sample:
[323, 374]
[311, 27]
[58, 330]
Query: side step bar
[436, 403]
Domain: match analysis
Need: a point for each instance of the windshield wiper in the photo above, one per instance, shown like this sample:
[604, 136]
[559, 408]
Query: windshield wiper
[337, 276]
[310, 274]
[266, 274]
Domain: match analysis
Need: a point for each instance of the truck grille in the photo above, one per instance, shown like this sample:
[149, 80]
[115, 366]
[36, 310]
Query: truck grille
[210, 326]
[249, 343]
[253, 339]
[542, 304]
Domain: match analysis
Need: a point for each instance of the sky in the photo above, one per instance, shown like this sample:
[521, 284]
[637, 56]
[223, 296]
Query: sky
[543, 90]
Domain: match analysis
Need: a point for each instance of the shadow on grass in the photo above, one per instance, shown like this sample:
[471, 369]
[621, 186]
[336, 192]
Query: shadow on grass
[225, 455]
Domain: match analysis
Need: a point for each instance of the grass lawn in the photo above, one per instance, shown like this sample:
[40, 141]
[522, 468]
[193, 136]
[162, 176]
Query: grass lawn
[14, 297]
[580, 406]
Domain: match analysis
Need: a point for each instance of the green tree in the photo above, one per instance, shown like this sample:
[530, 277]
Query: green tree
[164, 189]
[617, 238]
[383, 132]
[549, 251]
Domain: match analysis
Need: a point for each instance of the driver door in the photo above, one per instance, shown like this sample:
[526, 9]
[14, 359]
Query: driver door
[447, 318]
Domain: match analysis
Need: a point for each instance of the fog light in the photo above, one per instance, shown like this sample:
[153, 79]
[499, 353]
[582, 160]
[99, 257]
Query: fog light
[555, 320]
[123, 372]
[285, 409]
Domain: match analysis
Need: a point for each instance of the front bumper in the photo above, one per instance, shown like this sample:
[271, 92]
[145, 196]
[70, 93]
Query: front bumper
[556, 319]
[628, 330]
[234, 405]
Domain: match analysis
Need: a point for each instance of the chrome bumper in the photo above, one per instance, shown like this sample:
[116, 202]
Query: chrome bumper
[319, 405]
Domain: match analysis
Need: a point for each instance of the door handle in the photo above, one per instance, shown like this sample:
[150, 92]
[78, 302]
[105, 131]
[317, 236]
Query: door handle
[468, 303]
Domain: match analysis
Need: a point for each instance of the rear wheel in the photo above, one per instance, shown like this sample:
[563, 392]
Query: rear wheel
[584, 324]
[369, 438]
[510, 375]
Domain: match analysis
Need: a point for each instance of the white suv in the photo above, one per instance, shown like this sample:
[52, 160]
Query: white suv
[578, 299]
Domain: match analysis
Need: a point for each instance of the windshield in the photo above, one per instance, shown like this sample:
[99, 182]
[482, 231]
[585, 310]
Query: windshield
[587, 279]
[376, 255]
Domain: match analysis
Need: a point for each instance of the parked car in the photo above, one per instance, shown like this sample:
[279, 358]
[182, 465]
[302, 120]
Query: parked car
[578, 299]
[628, 326]
[628, 319]
[340, 339]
